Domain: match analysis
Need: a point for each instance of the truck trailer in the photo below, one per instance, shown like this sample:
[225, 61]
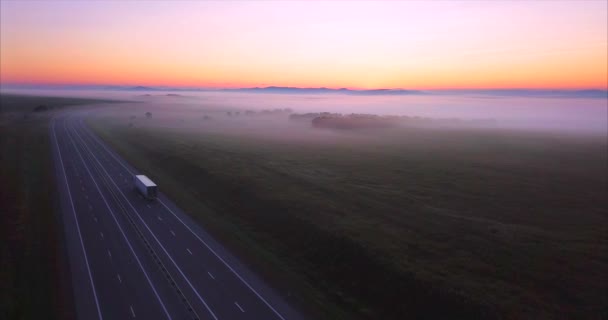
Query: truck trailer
[145, 186]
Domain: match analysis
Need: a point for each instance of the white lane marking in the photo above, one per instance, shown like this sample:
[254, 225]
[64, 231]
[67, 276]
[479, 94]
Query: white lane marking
[224, 262]
[190, 252]
[159, 218]
[132, 311]
[149, 206]
[237, 305]
[119, 278]
[122, 232]
[173, 233]
[99, 142]
[95, 218]
[148, 228]
[86, 259]
[109, 254]
[212, 277]
[101, 233]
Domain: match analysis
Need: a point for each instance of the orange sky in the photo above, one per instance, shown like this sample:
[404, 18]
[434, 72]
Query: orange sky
[417, 45]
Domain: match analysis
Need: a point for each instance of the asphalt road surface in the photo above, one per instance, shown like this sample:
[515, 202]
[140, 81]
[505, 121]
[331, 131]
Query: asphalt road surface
[131, 258]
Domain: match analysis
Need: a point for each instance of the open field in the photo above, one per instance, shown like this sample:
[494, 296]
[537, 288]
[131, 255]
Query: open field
[401, 223]
[33, 272]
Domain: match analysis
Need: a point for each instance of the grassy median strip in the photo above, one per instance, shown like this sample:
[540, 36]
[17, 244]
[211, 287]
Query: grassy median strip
[439, 224]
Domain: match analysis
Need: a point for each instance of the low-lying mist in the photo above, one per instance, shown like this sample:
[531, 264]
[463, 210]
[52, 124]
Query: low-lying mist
[188, 109]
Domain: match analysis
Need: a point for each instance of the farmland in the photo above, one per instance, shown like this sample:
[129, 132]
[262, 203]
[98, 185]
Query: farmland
[427, 223]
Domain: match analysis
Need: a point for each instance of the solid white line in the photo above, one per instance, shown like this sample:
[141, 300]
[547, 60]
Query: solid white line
[77, 224]
[101, 233]
[149, 206]
[159, 218]
[96, 139]
[123, 234]
[132, 312]
[212, 277]
[119, 278]
[149, 230]
[237, 304]
[173, 233]
[109, 254]
[190, 252]
[224, 262]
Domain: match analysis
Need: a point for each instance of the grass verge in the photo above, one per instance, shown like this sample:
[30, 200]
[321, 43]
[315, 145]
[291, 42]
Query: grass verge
[427, 224]
[34, 275]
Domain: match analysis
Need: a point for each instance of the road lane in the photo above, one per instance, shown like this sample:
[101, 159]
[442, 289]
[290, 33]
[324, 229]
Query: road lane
[212, 281]
[107, 255]
[178, 232]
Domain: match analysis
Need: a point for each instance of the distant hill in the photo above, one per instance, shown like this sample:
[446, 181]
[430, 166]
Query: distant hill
[517, 92]
[323, 90]
[538, 93]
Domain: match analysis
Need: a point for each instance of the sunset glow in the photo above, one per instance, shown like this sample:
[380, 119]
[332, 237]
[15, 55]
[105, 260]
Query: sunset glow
[418, 45]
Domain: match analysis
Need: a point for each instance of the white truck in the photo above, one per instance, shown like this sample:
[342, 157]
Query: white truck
[145, 186]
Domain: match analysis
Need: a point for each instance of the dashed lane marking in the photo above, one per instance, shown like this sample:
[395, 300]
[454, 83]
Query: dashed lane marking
[237, 305]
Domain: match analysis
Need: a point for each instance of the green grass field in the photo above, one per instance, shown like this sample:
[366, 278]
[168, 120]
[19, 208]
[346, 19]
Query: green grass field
[448, 224]
[33, 271]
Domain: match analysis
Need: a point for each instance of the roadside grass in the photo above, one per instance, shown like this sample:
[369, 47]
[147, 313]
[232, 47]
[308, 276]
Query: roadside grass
[443, 224]
[34, 276]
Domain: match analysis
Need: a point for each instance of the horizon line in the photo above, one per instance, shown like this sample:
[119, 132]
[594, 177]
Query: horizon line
[194, 88]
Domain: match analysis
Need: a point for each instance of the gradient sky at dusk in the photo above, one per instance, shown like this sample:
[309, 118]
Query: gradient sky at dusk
[418, 45]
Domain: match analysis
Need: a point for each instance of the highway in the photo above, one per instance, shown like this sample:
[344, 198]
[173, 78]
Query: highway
[132, 258]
